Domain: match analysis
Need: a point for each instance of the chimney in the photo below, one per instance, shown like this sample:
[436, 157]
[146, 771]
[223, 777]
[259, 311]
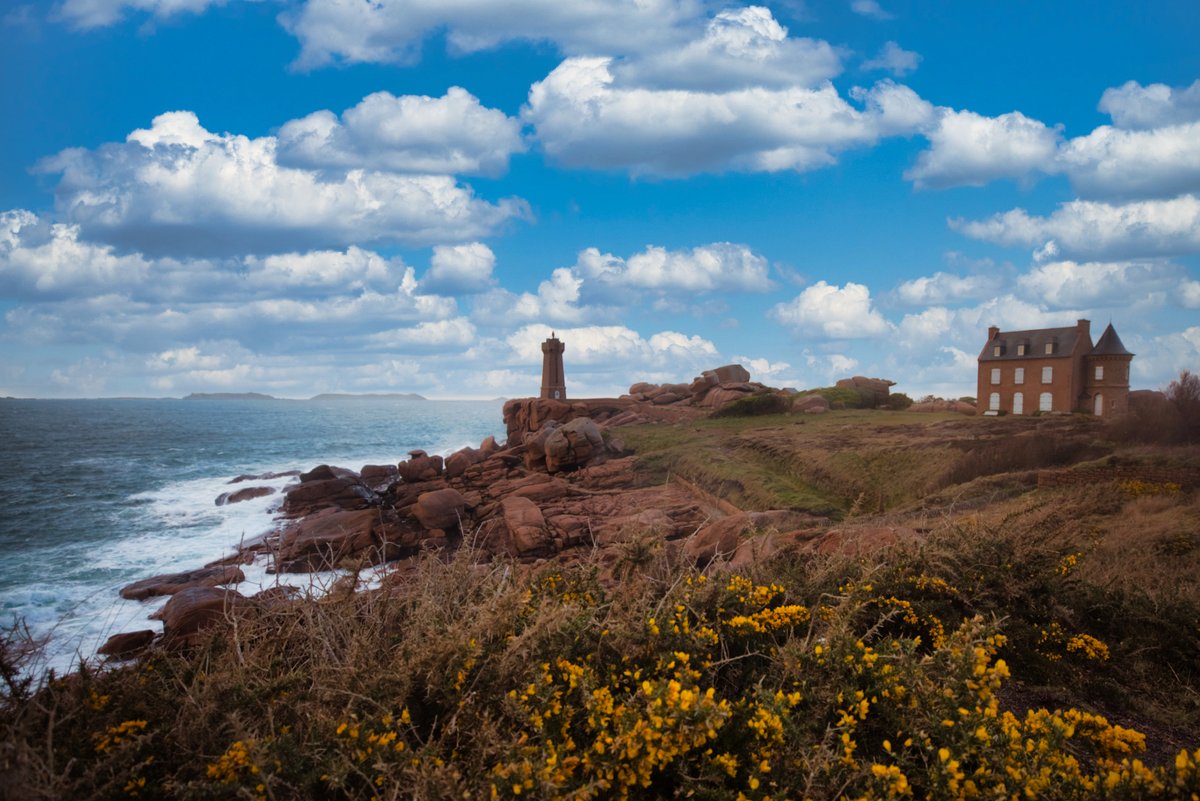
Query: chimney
[993, 332]
[1085, 327]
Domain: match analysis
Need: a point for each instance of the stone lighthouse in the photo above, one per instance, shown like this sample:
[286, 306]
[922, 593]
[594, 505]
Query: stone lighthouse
[554, 384]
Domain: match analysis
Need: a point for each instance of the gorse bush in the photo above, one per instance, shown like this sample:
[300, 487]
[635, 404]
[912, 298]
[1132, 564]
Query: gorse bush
[809, 678]
[754, 405]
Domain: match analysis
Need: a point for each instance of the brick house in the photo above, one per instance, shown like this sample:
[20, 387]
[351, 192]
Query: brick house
[1053, 370]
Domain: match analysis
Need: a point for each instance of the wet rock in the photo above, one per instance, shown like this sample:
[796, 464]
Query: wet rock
[323, 539]
[247, 494]
[172, 583]
[128, 644]
[325, 472]
[343, 493]
[264, 476]
[195, 609]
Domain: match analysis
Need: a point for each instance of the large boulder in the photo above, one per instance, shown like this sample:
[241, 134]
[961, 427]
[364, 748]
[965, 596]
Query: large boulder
[342, 493]
[721, 538]
[127, 644]
[573, 445]
[458, 462]
[321, 540]
[722, 395]
[324, 472]
[527, 533]
[731, 374]
[420, 467]
[193, 610]
[811, 404]
[172, 583]
[535, 445]
[440, 509]
[873, 391]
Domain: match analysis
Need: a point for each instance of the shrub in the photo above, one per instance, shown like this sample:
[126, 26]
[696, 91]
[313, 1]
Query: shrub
[754, 405]
[899, 401]
[1184, 393]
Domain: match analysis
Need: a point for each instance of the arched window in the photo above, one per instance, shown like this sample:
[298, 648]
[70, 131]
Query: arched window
[1018, 403]
[994, 402]
[1045, 402]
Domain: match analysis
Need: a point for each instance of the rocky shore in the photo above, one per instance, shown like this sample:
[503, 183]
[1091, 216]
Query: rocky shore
[562, 485]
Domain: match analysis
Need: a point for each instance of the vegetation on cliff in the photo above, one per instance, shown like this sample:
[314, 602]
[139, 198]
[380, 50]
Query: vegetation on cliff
[1020, 640]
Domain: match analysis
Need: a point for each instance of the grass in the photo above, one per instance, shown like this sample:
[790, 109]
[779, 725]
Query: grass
[1031, 642]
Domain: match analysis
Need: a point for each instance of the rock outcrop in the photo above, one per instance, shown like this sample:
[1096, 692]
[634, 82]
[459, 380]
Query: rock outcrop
[172, 583]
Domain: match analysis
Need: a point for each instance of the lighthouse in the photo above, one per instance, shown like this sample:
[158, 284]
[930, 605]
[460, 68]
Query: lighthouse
[554, 384]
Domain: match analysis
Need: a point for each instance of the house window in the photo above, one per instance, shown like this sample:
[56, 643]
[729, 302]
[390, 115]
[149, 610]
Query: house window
[1020, 350]
[1098, 408]
[1019, 375]
[1018, 403]
[1047, 375]
[1099, 372]
[994, 402]
[996, 350]
[1049, 347]
[995, 375]
[1046, 402]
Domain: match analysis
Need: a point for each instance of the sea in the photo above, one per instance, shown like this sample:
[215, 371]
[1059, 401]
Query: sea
[96, 494]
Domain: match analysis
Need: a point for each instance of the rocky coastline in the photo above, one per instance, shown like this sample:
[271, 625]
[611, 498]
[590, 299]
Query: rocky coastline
[561, 486]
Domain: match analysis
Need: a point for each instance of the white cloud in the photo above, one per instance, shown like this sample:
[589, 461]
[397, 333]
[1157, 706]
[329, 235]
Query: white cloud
[1189, 294]
[453, 134]
[969, 149]
[1100, 230]
[931, 325]
[99, 13]
[1096, 284]
[833, 312]
[942, 287]
[616, 347]
[1141, 107]
[393, 30]
[177, 188]
[773, 374]
[460, 269]
[455, 334]
[1163, 162]
[870, 8]
[894, 59]
[721, 266]
[325, 270]
[584, 119]
[740, 48]
[37, 258]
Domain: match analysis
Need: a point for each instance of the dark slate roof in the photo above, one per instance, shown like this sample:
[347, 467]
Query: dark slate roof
[1036, 339]
[1110, 344]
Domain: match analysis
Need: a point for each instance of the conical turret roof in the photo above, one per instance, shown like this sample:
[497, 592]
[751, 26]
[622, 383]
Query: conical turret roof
[1109, 344]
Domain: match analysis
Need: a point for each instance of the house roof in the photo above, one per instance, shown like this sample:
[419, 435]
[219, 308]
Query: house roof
[1109, 344]
[1035, 341]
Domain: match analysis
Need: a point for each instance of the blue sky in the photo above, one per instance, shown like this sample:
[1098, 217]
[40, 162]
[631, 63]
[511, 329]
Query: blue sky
[303, 196]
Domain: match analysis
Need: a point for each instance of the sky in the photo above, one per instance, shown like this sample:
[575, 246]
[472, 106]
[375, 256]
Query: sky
[305, 196]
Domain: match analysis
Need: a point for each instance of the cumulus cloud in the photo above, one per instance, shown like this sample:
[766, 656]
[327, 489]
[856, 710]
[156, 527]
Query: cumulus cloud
[452, 134]
[178, 188]
[1189, 294]
[832, 312]
[460, 269]
[615, 347]
[740, 48]
[99, 13]
[721, 266]
[1094, 229]
[870, 8]
[968, 149]
[942, 287]
[1142, 107]
[1111, 162]
[584, 119]
[455, 334]
[894, 59]
[1096, 284]
[391, 31]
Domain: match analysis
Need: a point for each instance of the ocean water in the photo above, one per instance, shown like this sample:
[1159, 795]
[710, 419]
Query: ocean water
[95, 494]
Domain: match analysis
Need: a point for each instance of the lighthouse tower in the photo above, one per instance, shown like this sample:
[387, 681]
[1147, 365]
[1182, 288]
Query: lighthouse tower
[554, 384]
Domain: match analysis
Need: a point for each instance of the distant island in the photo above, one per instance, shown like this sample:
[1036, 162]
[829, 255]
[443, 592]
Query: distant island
[327, 396]
[229, 396]
[338, 396]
